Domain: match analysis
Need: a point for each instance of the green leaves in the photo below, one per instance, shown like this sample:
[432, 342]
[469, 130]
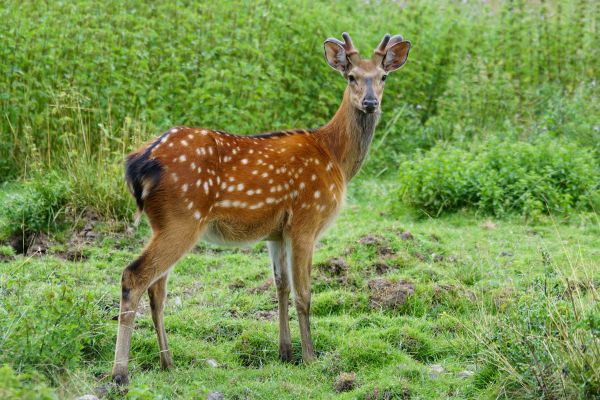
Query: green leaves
[502, 177]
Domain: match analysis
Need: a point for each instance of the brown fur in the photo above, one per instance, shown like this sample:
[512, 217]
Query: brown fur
[285, 188]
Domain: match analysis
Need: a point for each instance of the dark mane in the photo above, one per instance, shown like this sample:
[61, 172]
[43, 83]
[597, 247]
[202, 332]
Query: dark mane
[281, 133]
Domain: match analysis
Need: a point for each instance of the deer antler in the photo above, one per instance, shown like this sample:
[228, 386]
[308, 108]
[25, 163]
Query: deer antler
[351, 52]
[384, 45]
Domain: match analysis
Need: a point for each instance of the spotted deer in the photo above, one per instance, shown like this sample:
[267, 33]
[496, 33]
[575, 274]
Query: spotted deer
[282, 187]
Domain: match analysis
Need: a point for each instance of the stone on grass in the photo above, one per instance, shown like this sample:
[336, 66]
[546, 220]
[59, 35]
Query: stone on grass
[465, 374]
[212, 363]
[215, 396]
[88, 397]
[435, 370]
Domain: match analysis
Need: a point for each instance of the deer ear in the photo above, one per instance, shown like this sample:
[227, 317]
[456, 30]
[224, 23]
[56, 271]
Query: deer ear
[335, 56]
[396, 56]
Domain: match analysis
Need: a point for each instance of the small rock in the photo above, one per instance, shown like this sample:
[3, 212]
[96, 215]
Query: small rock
[505, 254]
[88, 397]
[268, 315]
[465, 374]
[435, 370]
[212, 363]
[406, 235]
[215, 396]
[177, 301]
[345, 382]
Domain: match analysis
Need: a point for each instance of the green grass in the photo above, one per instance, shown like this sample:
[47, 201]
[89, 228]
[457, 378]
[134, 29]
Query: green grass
[482, 298]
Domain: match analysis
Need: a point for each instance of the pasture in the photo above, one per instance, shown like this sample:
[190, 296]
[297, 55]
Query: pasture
[463, 265]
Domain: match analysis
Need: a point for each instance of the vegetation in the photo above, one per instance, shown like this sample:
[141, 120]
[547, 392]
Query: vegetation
[500, 177]
[498, 309]
[495, 115]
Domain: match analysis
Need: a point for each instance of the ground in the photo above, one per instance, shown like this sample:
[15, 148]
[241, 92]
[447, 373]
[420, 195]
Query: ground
[403, 306]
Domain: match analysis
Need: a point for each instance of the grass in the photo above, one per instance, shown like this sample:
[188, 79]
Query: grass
[485, 294]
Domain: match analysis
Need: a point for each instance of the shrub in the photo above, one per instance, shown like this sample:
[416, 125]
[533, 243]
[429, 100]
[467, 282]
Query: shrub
[501, 177]
[22, 386]
[37, 207]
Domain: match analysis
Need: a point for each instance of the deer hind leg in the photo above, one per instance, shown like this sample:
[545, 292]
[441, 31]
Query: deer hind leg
[158, 293]
[164, 249]
[300, 261]
[279, 262]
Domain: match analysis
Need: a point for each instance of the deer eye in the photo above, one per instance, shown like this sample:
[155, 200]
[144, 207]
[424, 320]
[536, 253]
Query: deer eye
[351, 78]
[383, 78]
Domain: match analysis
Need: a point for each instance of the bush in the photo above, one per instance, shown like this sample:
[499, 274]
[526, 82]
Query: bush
[22, 386]
[501, 177]
[37, 207]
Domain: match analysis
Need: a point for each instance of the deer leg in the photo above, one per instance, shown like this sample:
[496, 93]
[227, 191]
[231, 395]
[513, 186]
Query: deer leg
[280, 274]
[164, 249]
[158, 293]
[301, 259]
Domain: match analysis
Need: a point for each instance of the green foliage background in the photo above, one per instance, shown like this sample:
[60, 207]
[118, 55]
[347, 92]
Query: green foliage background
[82, 82]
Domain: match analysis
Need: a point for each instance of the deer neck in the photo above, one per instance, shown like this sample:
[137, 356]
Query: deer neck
[348, 136]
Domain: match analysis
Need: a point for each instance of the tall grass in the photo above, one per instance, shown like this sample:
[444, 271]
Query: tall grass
[546, 343]
[82, 82]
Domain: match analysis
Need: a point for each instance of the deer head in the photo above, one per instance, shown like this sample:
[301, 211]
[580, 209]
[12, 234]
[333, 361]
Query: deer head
[366, 77]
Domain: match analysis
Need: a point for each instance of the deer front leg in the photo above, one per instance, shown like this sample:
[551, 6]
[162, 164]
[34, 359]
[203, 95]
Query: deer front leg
[133, 283]
[301, 259]
[158, 293]
[280, 274]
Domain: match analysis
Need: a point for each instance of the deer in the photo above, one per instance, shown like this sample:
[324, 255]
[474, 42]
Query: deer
[284, 188]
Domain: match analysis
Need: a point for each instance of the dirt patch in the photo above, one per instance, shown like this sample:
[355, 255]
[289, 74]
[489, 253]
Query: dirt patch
[406, 235]
[387, 294]
[268, 315]
[378, 394]
[440, 289]
[336, 267]
[335, 270]
[263, 287]
[29, 244]
[372, 240]
[80, 239]
[381, 268]
[345, 382]
[237, 284]
[39, 245]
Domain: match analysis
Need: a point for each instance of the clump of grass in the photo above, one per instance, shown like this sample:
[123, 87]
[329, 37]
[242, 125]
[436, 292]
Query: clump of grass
[547, 345]
[51, 330]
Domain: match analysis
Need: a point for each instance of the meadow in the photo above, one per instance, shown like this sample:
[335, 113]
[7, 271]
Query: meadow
[464, 265]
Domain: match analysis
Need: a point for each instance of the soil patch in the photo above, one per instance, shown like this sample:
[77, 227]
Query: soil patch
[387, 294]
[345, 382]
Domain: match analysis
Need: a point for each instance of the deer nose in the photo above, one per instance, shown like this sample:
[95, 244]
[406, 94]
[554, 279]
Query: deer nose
[370, 104]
